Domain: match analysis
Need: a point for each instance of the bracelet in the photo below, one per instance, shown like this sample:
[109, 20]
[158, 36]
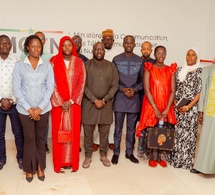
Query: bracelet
[187, 108]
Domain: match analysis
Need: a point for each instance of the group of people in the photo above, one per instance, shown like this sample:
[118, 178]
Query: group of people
[96, 92]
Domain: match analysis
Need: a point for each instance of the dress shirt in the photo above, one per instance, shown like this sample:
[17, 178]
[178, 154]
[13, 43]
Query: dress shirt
[33, 88]
[6, 77]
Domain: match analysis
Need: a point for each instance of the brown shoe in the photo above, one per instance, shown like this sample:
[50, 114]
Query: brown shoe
[111, 146]
[86, 163]
[95, 147]
[105, 161]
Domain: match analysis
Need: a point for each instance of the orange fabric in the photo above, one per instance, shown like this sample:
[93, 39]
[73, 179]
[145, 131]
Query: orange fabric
[160, 87]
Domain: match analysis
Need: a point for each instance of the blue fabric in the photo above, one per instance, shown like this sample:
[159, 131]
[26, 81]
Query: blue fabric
[17, 131]
[33, 88]
[131, 75]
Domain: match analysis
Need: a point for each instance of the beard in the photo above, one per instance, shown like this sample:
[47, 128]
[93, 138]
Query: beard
[145, 55]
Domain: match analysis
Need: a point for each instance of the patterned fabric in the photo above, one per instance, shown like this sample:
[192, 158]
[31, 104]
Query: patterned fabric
[6, 72]
[210, 109]
[187, 127]
[69, 85]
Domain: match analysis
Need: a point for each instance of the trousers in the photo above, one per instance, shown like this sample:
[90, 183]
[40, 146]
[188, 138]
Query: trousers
[16, 129]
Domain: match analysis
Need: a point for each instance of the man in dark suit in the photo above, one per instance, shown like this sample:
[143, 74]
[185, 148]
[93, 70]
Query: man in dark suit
[127, 99]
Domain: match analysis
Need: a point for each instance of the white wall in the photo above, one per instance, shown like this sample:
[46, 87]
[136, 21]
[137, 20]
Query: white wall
[184, 23]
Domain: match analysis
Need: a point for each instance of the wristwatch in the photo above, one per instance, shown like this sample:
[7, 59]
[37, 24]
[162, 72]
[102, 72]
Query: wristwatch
[104, 100]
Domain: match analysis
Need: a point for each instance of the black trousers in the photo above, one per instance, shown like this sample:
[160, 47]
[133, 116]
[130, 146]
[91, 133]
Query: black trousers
[130, 131]
[34, 142]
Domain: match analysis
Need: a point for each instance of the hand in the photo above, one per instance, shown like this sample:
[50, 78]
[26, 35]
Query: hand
[164, 113]
[158, 113]
[66, 105]
[99, 104]
[34, 113]
[129, 92]
[182, 109]
[6, 104]
[200, 118]
[213, 61]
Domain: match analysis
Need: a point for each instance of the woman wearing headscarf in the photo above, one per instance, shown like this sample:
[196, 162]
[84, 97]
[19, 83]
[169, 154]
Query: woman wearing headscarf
[188, 85]
[66, 100]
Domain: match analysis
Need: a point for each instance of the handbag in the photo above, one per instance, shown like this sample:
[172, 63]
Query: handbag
[65, 136]
[161, 138]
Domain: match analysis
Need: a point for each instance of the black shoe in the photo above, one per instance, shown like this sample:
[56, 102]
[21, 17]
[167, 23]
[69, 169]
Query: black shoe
[132, 158]
[194, 171]
[115, 159]
[2, 163]
[29, 179]
[41, 178]
[20, 163]
[47, 149]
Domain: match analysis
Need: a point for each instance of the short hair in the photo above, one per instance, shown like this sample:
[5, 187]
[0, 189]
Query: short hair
[27, 42]
[98, 42]
[76, 36]
[158, 47]
[147, 42]
[39, 32]
[4, 36]
[127, 37]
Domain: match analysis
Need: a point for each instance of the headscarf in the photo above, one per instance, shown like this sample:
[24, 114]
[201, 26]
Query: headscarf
[185, 68]
[59, 69]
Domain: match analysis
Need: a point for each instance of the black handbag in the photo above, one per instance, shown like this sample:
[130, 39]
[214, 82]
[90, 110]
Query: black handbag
[161, 138]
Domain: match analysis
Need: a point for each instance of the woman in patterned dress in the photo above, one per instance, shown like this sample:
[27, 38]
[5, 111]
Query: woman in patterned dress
[66, 100]
[188, 85]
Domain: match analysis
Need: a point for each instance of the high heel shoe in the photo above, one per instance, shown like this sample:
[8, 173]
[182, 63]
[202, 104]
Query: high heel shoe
[29, 179]
[41, 178]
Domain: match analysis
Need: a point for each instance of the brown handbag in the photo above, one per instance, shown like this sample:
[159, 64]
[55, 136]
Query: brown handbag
[65, 136]
[161, 138]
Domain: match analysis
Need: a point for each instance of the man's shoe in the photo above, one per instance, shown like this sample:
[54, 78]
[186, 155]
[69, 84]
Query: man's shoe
[86, 163]
[47, 148]
[115, 159]
[2, 163]
[194, 171]
[105, 161]
[111, 146]
[20, 163]
[95, 147]
[132, 158]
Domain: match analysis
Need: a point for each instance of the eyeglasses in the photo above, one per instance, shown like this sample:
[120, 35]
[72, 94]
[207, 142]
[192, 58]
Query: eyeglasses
[77, 41]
